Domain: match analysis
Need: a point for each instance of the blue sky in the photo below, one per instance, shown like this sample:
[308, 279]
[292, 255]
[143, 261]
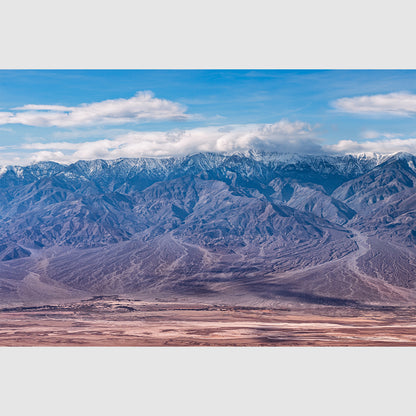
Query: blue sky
[65, 115]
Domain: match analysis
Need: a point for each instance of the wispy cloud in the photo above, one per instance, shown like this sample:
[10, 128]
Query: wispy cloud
[397, 103]
[142, 107]
[373, 134]
[386, 146]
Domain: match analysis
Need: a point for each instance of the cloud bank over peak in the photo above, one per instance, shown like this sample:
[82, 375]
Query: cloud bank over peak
[282, 136]
[397, 104]
[143, 106]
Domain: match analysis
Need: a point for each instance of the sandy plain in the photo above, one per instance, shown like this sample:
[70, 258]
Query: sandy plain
[115, 321]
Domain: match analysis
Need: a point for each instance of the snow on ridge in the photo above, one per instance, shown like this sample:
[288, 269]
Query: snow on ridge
[324, 162]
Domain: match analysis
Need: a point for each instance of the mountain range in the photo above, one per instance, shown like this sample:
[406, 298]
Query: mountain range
[259, 228]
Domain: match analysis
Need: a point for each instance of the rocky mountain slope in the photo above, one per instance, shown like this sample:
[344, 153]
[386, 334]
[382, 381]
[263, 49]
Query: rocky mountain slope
[253, 227]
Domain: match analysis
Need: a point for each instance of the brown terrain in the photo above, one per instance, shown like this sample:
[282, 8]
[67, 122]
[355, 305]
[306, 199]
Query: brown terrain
[117, 321]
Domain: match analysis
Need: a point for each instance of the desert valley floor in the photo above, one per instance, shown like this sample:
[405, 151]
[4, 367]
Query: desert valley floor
[118, 321]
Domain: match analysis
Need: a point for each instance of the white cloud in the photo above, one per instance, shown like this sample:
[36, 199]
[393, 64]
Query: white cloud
[396, 103]
[381, 146]
[47, 155]
[143, 106]
[283, 136]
